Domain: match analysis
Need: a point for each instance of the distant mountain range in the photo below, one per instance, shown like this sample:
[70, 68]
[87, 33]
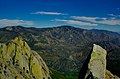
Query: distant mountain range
[65, 48]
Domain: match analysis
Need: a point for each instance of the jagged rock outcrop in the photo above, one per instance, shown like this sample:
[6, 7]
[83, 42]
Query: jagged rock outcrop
[95, 65]
[18, 61]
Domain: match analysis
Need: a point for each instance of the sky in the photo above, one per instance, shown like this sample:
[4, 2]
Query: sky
[87, 14]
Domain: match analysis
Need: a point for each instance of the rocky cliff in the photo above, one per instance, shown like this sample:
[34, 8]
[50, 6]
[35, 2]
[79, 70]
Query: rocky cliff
[18, 61]
[95, 65]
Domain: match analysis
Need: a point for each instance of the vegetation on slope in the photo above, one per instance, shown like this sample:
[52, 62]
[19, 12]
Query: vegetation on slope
[65, 48]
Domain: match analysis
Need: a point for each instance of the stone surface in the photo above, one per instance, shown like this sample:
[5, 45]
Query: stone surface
[97, 64]
[18, 61]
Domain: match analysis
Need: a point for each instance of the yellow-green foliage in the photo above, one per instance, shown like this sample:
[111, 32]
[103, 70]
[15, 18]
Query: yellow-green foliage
[18, 61]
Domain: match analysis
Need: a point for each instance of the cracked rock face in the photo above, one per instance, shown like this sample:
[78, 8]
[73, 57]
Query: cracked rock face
[18, 61]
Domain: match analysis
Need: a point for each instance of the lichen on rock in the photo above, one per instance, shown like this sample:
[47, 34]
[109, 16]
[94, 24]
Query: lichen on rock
[18, 61]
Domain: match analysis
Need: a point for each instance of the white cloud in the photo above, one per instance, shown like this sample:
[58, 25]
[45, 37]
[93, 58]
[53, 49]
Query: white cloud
[98, 20]
[85, 18]
[91, 19]
[8, 22]
[49, 13]
[77, 22]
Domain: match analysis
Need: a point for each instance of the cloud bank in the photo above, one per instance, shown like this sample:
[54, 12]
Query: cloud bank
[98, 20]
[8, 22]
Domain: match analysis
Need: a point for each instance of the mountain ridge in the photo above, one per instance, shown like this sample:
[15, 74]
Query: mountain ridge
[64, 26]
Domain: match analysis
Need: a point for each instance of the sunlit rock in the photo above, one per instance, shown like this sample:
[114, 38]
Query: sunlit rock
[18, 61]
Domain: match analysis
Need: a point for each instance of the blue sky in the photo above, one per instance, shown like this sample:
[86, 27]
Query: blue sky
[88, 14]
